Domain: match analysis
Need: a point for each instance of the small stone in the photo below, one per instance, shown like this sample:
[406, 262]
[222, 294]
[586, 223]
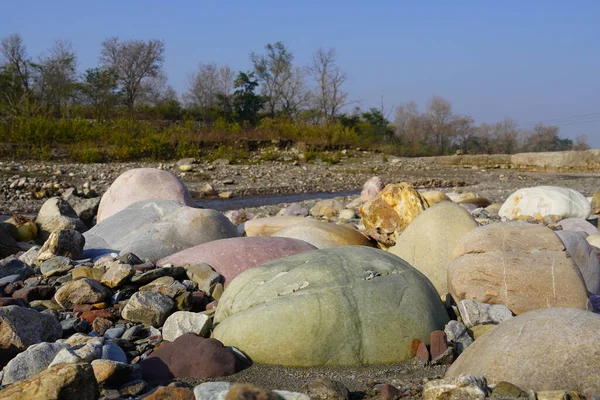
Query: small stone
[12, 266]
[476, 313]
[81, 291]
[326, 389]
[456, 332]
[112, 351]
[87, 272]
[463, 387]
[479, 330]
[389, 392]
[170, 393]
[437, 343]
[149, 308]
[421, 351]
[243, 391]
[147, 277]
[117, 274]
[56, 266]
[68, 243]
[182, 322]
[134, 388]
[552, 395]
[506, 390]
[31, 293]
[101, 325]
[31, 362]
[115, 333]
[211, 390]
[204, 276]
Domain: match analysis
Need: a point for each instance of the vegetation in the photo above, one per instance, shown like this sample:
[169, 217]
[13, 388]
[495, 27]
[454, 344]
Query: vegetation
[123, 109]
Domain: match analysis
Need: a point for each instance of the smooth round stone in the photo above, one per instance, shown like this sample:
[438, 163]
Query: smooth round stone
[324, 235]
[319, 308]
[578, 225]
[546, 349]
[434, 197]
[154, 229]
[142, 184]
[538, 202]
[523, 266]
[230, 257]
[428, 242]
[269, 225]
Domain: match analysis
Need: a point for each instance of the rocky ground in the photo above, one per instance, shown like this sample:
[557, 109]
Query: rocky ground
[77, 317]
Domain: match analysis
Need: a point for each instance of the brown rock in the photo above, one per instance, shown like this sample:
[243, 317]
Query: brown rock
[422, 352]
[90, 316]
[326, 389]
[112, 373]
[523, 266]
[170, 393]
[438, 343]
[392, 210]
[596, 203]
[389, 392]
[81, 291]
[87, 272]
[190, 356]
[245, 391]
[61, 382]
[43, 292]
[9, 301]
[101, 325]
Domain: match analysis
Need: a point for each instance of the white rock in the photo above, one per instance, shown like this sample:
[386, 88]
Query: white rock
[211, 390]
[291, 395]
[182, 322]
[537, 202]
[594, 240]
[476, 313]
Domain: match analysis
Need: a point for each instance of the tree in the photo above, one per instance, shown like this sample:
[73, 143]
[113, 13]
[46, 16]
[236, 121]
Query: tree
[378, 123]
[16, 96]
[505, 136]
[465, 132]
[244, 104]
[581, 143]
[440, 122]
[329, 96]
[99, 91]
[543, 138]
[484, 138]
[55, 77]
[207, 83]
[135, 62]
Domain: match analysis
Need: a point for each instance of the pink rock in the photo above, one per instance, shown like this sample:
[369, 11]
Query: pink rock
[230, 257]
[437, 343]
[142, 184]
[389, 392]
[371, 187]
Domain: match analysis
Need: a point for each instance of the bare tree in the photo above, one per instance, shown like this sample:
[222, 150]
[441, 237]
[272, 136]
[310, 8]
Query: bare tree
[464, 131]
[207, 83]
[294, 94]
[134, 62]
[440, 120]
[16, 92]
[55, 76]
[329, 78]
[543, 138]
[506, 136]
[404, 119]
[581, 143]
[15, 58]
[485, 138]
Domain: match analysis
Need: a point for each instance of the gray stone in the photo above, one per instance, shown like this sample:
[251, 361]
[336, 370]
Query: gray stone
[8, 245]
[10, 279]
[327, 295]
[12, 266]
[149, 276]
[133, 332]
[584, 257]
[117, 275]
[294, 209]
[154, 229]
[66, 356]
[578, 225]
[457, 333]
[463, 387]
[56, 214]
[30, 256]
[546, 349]
[112, 351]
[182, 322]
[115, 333]
[31, 362]
[63, 242]
[210, 390]
[56, 266]
[148, 308]
[475, 313]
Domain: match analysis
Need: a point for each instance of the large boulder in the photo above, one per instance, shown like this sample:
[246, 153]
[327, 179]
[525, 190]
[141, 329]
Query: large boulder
[584, 257]
[547, 349]
[319, 308]
[21, 327]
[390, 212]
[230, 257]
[538, 202]
[428, 242]
[56, 214]
[324, 235]
[154, 229]
[142, 184]
[523, 266]
[269, 225]
[63, 381]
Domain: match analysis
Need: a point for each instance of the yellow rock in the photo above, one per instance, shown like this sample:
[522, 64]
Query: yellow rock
[26, 229]
[479, 330]
[596, 203]
[87, 272]
[434, 196]
[390, 212]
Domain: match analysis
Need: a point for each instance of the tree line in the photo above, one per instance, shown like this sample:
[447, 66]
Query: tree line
[129, 82]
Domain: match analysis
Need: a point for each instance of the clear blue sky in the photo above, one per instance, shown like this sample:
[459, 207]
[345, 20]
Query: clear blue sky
[529, 60]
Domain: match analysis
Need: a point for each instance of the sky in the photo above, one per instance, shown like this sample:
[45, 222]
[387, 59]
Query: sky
[533, 61]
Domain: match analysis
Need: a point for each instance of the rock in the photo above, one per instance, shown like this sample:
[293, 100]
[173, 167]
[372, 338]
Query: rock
[67, 243]
[12, 266]
[155, 229]
[326, 208]
[30, 256]
[114, 373]
[26, 229]
[324, 235]
[203, 276]
[437, 343]
[8, 245]
[268, 226]
[86, 209]
[434, 197]
[56, 266]
[584, 257]
[463, 387]
[326, 389]
[190, 356]
[153, 274]
[186, 167]
[371, 188]
[210, 390]
[230, 257]
[389, 392]
[236, 217]
[457, 334]
[390, 212]
[506, 390]
[347, 215]
[594, 240]
[32, 361]
[113, 352]
[182, 322]
[81, 291]
[477, 202]
[294, 209]
[428, 242]
[554, 395]
[87, 272]
[476, 313]
[100, 325]
[148, 308]
[578, 225]
[117, 275]
[64, 382]
[31, 293]
[170, 393]
[595, 203]
[21, 327]
[56, 214]
[266, 309]
[523, 266]
[538, 202]
[479, 330]
[548, 338]
[142, 184]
